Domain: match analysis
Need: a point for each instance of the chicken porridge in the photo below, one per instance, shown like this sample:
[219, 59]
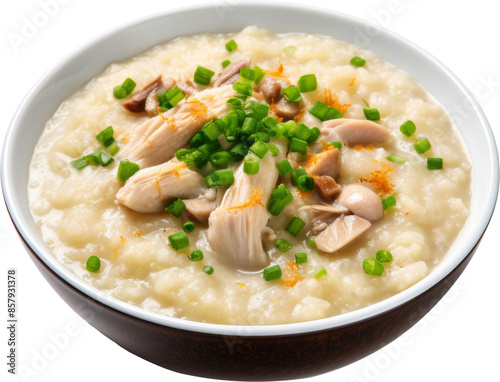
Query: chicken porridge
[251, 179]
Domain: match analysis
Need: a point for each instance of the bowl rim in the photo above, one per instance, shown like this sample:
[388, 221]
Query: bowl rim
[338, 321]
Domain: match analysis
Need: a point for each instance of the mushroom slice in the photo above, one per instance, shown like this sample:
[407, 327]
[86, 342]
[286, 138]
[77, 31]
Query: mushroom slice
[270, 89]
[231, 73]
[152, 104]
[354, 132]
[326, 187]
[287, 110]
[362, 202]
[343, 230]
[157, 139]
[334, 208]
[325, 163]
[137, 102]
[200, 208]
[150, 189]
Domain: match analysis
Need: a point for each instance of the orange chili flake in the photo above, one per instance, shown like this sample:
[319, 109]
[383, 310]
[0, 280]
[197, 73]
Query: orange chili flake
[361, 147]
[293, 275]
[303, 194]
[255, 199]
[123, 240]
[159, 110]
[116, 253]
[125, 138]
[331, 99]
[352, 82]
[157, 181]
[407, 213]
[277, 73]
[138, 234]
[179, 167]
[380, 179]
[241, 285]
[326, 146]
[299, 116]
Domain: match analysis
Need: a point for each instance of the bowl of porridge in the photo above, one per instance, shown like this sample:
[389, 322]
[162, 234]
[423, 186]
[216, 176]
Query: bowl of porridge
[273, 203]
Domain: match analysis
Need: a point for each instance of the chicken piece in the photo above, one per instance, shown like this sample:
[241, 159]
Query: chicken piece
[200, 208]
[354, 132]
[157, 139]
[235, 228]
[325, 163]
[151, 189]
[287, 110]
[137, 102]
[326, 187]
[343, 230]
[187, 88]
[231, 73]
[152, 104]
[270, 89]
[362, 202]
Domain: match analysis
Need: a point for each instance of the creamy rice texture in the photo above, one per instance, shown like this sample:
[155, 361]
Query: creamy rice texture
[78, 217]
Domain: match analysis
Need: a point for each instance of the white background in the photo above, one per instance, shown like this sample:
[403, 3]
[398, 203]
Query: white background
[457, 341]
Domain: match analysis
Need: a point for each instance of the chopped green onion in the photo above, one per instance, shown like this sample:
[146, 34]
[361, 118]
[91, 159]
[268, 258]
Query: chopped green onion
[249, 126]
[92, 159]
[259, 111]
[311, 243]
[247, 73]
[221, 158]
[225, 63]
[298, 172]
[190, 156]
[396, 159]
[366, 103]
[280, 197]
[178, 240]
[322, 272]
[272, 273]
[188, 227]
[108, 142]
[124, 90]
[196, 255]
[126, 169]
[251, 164]
[93, 264]
[301, 257]
[422, 145]
[292, 94]
[174, 96]
[231, 45]
[79, 163]
[259, 148]
[239, 151]
[223, 177]
[113, 148]
[284, 167]
[235, 103]
[298, 145]
[290, 49]
[388, 201]
[408, 128]
[337, 145]
[372, 267]
[198, 139]
[305, 182]
[434, 163]
[203, 75]
[208, 269]
[307, 83]
[295, 225]
[105, 134]
[383, 256]
[104, 159]
[211, 131]
[273, 149]
[324, 112]
[372, 114]
[314, 134]
[358, 61]
[283, 245]
[161, 94]
[176, 208]
[242, 88]
[259, 74]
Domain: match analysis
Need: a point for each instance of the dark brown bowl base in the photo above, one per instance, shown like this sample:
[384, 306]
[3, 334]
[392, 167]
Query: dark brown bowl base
[244, 357]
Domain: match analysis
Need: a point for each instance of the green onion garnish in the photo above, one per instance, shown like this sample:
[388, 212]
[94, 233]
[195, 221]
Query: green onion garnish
[311, 243]
[314, 134]
[239, 151]
[324, 112]
[259, 148]
[371, 113]
[283, 245]
[307, 83]
[113, 148]
[305, 182]
[298, 172]
[178, 240]
[434, 163]
[124, 90]
[251, 164]
[273, 149]
[388, 201]
[372, 267]
[298, 145]
[126, 169]
[358, 61]
[292, 94]
[259, 75]
[108, 142]
[225, 63]
[196, 255]
[79, 163]
[231, 45]
[396, 159]
[105, 134]
[174, 96]
[188, 227]
[249, 126]
[322, 272]
[221, 158]
[301, 257]
[422, 145]
[337, 145]
[104, 159]
[280, 197]
[92, 159]
[218, 178]
[203, 75]
[242, 88]
[295, 225]
[208, 269]
[247, 73]
[176, 208]
[272, 273]
[408, 128]
[383, 256]
[284, 167]
[93, 264]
